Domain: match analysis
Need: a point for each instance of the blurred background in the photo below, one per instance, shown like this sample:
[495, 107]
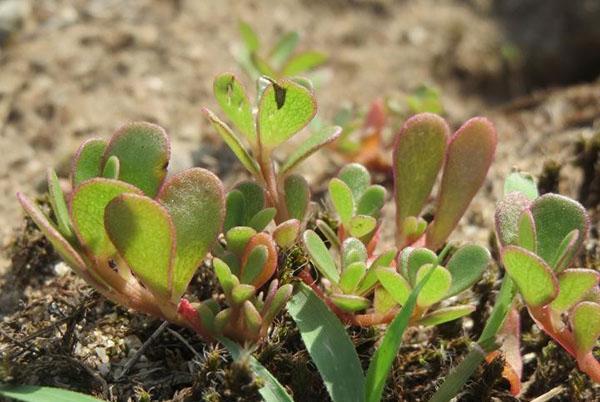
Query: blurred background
[72, 69]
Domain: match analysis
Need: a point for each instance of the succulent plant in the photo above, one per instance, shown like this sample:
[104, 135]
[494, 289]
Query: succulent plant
[135, 236]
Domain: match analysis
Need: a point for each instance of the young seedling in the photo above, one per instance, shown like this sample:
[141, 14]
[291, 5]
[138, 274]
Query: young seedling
[354, 283]
[422, 147]
[132, 235]
[540, 237]
[285, 107]
[358, 205]
[280, 61]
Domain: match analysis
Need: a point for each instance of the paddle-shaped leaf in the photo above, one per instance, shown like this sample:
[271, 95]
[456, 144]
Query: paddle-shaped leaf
[59, 206]
[87, 162]
[585, 320]
[237, 239]
[87, 212]
[144, 235]
[351, 276]
[196, 202]
[329, 346]
[383, 260]
[254, 264]
[357, 178]
[232, 98]
[233, 142]
[353, 250]
[303, 62]
[466, 267]
[523, 183]
[285, 108]
[341, 197]
[297, 196]
[235, 210]
[286, 233]
[555, 217]
[350, 303]
[470, 154]
[362, 225]
[260, 221]
[320, 256]
[445, 315]
[415, 259]
[527, 238]
[508, 214]
[573, 286]
[418, 155]
[437, 286]
[254, 199]
[372, 200]
[268, 268]
[143, 151]
[398, 288]
[309, 146]
[532, 275]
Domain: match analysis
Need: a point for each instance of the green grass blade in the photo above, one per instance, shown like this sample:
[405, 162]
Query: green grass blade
[381, 363]
[329, 346]
[34, 393]
[272, 391]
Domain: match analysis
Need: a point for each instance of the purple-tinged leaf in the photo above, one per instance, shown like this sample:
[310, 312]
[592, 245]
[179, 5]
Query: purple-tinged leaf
[555, 217]
[585, 320]
[144, 235]
[252, 318]
[446, 314]
[87, 162]
[237, 238]
[59, 206]
[532, 275]
[467, 266]
[274, 306]
[254, 264]
[297, 196]
[234, 102]
[419, 152]
[309, 146]
[196, 202]
[87, 206]
[574, 284]
[508, 213]
[285, 108]
[269, 267]
[143, 150]
[470, 153]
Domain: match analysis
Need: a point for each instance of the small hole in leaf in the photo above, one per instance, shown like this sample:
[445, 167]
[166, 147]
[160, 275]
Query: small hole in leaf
[279, 95]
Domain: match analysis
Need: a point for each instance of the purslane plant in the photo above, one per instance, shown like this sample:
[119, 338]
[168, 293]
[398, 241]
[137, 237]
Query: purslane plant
[280, 61]
[284, 108]
[128, 231]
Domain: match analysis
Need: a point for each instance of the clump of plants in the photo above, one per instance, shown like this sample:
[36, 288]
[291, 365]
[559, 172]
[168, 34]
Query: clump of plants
[139, 237]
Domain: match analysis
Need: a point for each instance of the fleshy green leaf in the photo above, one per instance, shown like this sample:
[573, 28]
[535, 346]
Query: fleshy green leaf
[238, 237]
[382, 360]
[112, 168]
[437, 286]
[270, 266]
[445, 315]
[312, 144]
[278, 302]
[350, 303]
[394, 283]
[353, 250]
[232, 98]
[351, 276]
[419, 151]
[224, 275]
[254, 199]
[533, 277]
[284, 49]
[416, 259]
[87, 212]
[329, 346]
[254, 264]
[329, 234]
[527, 237]
[235, 210]
[285, 108]
[573, 285]
[555, 217]
[566, 250]
[341, 197]
[252, 317]
[59, 206]
[372, 200]
[383, 301]
[260, 221]
[523, 183]
[384, 260]
[508, 213]
[143, 233]
[61, 246]
[249, 37]
[357, 177]
[470, 154]
[34, 393]
[304, 61]
[320, 256]
[286, 233]
[467, 266]
[196, 202]
[233, 142]
[143, 151]
[585, 320]
[297, 196]
[242, 292]
[362, 225]
[87, 162]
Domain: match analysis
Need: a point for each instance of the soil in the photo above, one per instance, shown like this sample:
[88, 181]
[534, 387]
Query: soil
[73, 69]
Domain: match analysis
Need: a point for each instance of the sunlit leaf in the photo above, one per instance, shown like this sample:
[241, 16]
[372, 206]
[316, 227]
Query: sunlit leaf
[573, 285]
[304, 61]
[242, 292]
[371, 201]
[446, 314]
[470, 154]
[297, 196]
[395, 284]
[286, 233]
[34, 393]
[416, 259]
[350, 303]
[238, 237]
[252, 317]
[357, 178]
[87, 162]
[143, 151]
[385, 259]
[232, 98]
[224, 275]
[436, 287]
[585, 320]
[362, 225]
[260, 221]
[353, 250]
[112, 168]
[195, 200]
[59, 206]
[312, 144]
[523, 183]
[351, 276]
[320, 256]
[532, 275]
[341, 197]
[143, 233]
[270, 265]
[508, 214]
